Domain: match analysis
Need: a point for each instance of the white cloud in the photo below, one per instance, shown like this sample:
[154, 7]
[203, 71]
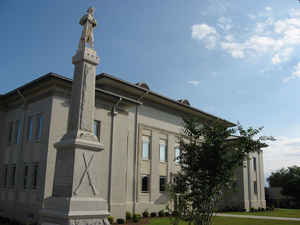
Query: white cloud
[295, 74]
[225, 23]
[282, 56]
[194, 82]
[268, 8]
[294, 13]
[235, 49]
[268, 37]
[252, 16]
[283, 152]
[205, 33]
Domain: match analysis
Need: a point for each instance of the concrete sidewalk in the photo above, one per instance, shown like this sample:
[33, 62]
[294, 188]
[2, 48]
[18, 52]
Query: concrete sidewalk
[258, 217]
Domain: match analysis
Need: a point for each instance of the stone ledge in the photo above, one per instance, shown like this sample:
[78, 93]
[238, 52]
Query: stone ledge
[79, 143]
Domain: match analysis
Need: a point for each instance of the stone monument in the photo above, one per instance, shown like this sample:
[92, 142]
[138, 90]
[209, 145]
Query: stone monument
[75, 199]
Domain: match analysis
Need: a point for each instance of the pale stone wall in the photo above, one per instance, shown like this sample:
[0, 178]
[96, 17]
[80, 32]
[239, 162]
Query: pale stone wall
[17, 202]
[116, 182]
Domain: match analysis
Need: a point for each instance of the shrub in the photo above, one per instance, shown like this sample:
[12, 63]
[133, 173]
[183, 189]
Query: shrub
[110, 219]
[128, 216]
[120, 221]
[153, 214]
[146, 213]
[167, 214]
[252, 210]
[174, 213]
[161, 213]
[136, 218]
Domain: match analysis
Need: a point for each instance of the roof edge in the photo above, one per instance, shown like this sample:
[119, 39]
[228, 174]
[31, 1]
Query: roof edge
[106, 75]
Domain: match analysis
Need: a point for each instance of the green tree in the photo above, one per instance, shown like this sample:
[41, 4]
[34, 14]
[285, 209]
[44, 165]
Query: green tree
[210, 155]
[289, 180]
[276, 179]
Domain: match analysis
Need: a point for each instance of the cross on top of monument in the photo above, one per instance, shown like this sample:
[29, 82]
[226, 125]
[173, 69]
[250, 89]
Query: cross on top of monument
[88, 22]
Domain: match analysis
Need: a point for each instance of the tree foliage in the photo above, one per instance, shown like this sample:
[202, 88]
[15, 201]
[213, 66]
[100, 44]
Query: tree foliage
[289, 180]
[210, 154]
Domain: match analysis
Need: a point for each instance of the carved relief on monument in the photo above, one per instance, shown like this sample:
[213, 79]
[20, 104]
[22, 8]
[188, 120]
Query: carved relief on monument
[86, 173]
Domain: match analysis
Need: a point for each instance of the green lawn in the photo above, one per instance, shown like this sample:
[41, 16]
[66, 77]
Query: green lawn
[294, 213]
[229, 221]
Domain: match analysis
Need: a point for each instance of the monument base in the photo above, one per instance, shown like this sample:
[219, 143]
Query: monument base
[74, 211]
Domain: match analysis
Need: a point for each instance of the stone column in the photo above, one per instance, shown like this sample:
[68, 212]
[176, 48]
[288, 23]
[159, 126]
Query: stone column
[75, 198]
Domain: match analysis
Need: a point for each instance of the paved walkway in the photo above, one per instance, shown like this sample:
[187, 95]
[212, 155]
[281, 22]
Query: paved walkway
[258, 217]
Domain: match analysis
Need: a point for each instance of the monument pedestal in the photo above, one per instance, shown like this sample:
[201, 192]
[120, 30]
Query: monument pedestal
[74, 211]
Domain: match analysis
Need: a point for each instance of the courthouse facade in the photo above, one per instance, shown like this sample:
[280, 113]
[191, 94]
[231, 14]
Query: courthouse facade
[140, 146]
[137, 130]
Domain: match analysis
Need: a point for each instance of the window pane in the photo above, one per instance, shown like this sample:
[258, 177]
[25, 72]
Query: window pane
[255, 187]
[35, 176]
[10, 134]
[177, 154]
[162, 184]
[17, 132]
[25, 176]
[29, 129]
[254, 163]
[5, 176]
[163, 151]
[145, 183]
[39, 126]
[97, 125]
[146, 148]
[13, 175]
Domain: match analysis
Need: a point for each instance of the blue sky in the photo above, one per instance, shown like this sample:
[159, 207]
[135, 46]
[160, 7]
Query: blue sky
[239, 60]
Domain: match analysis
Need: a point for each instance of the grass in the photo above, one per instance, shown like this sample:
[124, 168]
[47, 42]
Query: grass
[292, 213]
[228, 221]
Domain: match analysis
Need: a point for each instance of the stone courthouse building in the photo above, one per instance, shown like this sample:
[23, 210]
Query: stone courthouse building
[73, 151]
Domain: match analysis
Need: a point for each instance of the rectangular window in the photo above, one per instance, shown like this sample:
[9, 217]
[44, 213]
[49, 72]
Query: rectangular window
[17, 132]
[29, 128]
[5, 176]
[10, 132]
[13, 175]
[97, 126]
[39, 127]
[163, 150]
[177, 154]
[145, 183]
[146, 148]
[254, 163]
[255, 187]
[25, 181]
[162, 183]
[35, 176]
